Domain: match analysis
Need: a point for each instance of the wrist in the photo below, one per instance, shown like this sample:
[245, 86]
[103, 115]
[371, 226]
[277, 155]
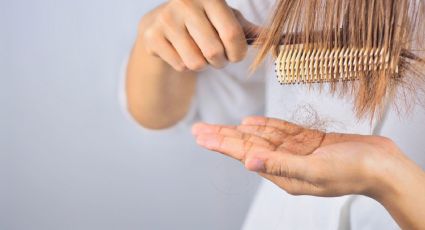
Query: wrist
[394, 175]
[387, 181]
[386, 171]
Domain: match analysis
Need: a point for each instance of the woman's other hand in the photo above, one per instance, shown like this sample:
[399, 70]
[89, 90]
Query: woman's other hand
[305, 161]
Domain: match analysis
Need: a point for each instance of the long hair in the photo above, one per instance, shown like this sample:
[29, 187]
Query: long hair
[396, 26]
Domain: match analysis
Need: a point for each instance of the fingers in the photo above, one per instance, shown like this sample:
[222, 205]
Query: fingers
[186, 48]
[287, 136]
[282, 125]
[284, 164]
[200, 32]
[229, 141]
[206, 37]
[228, 131]
[236, 148]
[228, 28]
[204, 128]
[330, 170]
[166, 52]
[296, 174]
[271, 134]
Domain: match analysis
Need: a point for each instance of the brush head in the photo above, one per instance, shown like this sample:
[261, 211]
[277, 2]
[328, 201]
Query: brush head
[379, 42]
[301, 64]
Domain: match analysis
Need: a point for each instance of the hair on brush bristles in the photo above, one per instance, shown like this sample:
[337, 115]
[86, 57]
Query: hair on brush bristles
[397, 27]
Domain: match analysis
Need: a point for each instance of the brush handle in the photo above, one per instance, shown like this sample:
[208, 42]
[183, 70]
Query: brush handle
[250, 40]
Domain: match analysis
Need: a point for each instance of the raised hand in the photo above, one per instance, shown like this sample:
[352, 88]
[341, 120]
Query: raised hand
[191, 34]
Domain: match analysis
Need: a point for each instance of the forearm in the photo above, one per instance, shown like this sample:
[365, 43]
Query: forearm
[158, 96]
[405, 195]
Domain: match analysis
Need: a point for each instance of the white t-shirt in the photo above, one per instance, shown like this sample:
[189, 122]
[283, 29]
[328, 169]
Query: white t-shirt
[227, 95]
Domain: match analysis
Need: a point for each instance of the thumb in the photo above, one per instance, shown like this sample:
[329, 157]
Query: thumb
[250, 29]
[283, 164]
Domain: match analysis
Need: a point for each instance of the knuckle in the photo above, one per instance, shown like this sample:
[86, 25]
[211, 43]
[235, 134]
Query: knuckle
[232, 34]
[151, 51]
[165, 18]
[180, 67]
[150, 35]
[284, 170]
[238, 56]
[277, 169]
[197, 65]
[271, 168]
[214, 53]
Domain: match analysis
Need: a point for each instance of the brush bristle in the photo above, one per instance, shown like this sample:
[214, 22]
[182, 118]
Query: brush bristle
[298, 64]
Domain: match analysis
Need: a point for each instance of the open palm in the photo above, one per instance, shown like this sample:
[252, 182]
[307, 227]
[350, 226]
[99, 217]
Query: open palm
[301, 161]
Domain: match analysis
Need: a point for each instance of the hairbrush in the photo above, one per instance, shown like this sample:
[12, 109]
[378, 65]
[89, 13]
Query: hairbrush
[339, 40]
[376, 44]
[297, 63]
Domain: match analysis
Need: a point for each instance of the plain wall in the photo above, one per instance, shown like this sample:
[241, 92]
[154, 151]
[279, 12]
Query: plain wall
[69, 156]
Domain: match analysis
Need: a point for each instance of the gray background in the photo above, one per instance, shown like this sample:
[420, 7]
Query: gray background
[69, 157]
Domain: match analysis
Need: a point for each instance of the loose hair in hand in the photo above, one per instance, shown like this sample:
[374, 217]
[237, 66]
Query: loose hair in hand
[378, 43]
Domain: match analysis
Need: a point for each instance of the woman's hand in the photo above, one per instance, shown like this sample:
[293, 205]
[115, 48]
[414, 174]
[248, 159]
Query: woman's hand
[310, 162]
[304, 161]
[175, 41]
[191, 34]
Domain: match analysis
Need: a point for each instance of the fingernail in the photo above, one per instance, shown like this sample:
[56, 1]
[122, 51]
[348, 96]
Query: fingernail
[255, 165]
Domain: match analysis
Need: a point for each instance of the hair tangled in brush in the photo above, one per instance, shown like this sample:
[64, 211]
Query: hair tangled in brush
[396, 26]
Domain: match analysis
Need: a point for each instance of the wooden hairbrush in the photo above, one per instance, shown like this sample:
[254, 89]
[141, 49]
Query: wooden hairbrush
[379, 45]
[297, 63]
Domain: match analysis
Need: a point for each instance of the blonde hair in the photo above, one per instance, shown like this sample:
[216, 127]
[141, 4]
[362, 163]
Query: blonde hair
[396, 26]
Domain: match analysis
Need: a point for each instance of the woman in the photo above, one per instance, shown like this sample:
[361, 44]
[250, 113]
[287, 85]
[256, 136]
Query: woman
[179, 45]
